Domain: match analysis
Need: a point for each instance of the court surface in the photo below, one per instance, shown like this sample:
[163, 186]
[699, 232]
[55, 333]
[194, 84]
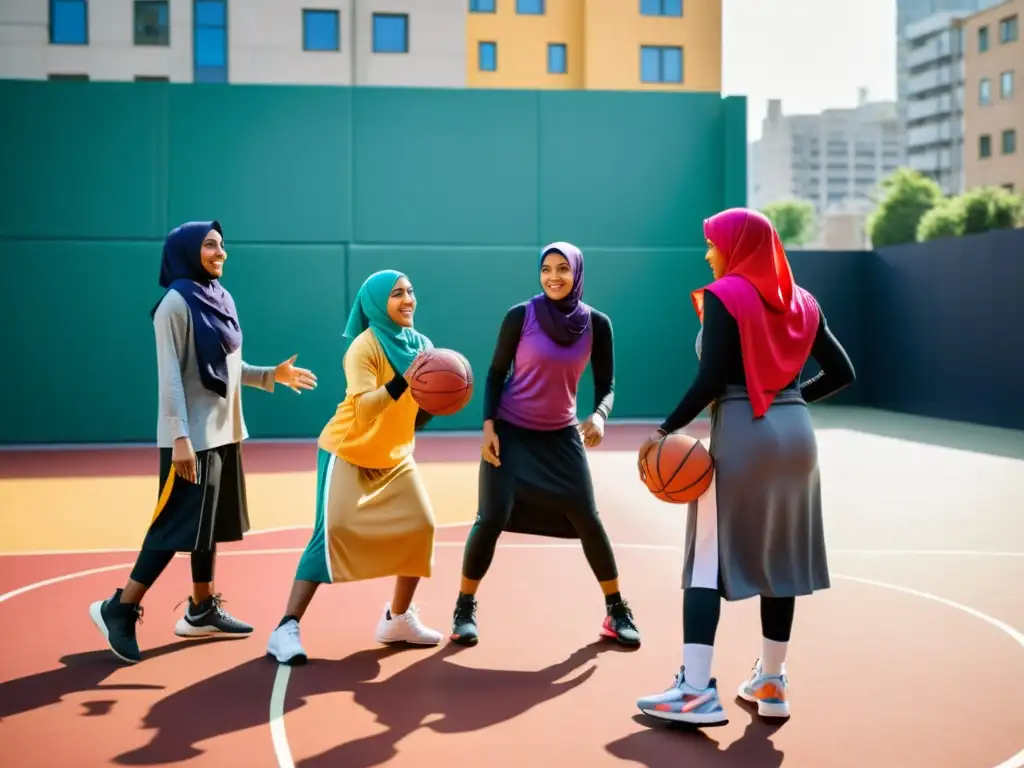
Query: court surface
[914, 659]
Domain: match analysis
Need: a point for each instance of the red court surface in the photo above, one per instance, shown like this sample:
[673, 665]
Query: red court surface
[911, 660]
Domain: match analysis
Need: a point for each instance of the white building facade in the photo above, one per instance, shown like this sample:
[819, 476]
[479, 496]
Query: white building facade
[340, 42]
[835, 159]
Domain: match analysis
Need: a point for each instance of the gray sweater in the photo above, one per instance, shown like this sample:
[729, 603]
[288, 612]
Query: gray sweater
[187, 408]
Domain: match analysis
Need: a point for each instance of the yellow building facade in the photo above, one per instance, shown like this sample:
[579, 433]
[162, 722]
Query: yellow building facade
[615, 45]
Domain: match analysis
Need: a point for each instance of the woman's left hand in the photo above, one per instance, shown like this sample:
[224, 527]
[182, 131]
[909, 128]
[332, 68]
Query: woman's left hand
[592, 430]
[292, 377]
[650, 441]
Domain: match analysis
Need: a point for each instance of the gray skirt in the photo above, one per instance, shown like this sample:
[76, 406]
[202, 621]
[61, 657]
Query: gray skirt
[758, 529]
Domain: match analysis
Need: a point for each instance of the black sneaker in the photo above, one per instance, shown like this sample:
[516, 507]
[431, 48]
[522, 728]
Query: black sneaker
[464, 621]
[116, 621]
[209, 618]
[619, 625]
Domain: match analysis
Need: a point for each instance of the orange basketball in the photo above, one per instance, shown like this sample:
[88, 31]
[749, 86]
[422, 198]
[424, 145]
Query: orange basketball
[441, 381]
[678, 468]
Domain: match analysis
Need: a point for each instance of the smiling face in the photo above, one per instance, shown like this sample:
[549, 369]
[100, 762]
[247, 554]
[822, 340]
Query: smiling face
[556, 276]
[715, 260]
[402, 303]
[212, 254]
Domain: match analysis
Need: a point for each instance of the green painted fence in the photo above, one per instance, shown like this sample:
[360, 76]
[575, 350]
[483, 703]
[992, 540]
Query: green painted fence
[317, 187]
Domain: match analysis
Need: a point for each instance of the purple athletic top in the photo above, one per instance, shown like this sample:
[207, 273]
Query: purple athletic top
[541, 393]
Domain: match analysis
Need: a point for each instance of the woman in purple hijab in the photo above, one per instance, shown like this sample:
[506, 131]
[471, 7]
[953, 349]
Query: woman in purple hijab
[200, 429]
[534, 475]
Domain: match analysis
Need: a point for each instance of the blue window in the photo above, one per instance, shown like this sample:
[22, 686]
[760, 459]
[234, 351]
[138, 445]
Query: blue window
[661, 7]
[661, 64]
[321, 31]
[530, 7]
[556, 59]
[487, 57]
[390, 33]
[152, 23]
[210, 45]
[69, 22]
[481, 6]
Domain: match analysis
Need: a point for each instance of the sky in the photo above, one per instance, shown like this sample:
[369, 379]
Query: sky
[812, 54]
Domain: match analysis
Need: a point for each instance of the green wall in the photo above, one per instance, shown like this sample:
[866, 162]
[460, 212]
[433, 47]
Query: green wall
[317, 187]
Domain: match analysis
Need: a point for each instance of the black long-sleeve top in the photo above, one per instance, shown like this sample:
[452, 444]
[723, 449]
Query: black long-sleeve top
[602, 360]
[721, 363]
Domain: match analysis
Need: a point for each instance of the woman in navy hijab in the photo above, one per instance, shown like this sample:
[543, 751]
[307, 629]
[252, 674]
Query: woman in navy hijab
[200, 429]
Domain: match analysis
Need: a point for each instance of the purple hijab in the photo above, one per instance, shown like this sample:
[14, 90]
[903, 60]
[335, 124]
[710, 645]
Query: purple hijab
[566, 320]
[215, 326]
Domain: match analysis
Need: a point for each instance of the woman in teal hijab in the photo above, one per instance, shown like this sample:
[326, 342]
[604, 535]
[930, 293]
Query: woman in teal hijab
[373, 515]
[401, 343]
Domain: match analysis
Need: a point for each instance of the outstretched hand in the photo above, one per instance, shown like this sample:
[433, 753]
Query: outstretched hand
[293, 377]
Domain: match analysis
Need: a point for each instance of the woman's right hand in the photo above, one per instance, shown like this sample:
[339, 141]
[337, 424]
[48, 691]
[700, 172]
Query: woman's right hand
[490, 449]
[184, 459]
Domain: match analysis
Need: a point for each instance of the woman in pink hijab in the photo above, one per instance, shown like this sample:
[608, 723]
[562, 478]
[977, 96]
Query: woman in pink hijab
[757, 531]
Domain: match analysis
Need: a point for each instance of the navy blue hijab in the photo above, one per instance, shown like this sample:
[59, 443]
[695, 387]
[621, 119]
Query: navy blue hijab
[215, 326]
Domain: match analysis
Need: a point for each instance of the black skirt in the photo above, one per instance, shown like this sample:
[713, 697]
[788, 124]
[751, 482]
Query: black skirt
[192, 517]
[542, 475]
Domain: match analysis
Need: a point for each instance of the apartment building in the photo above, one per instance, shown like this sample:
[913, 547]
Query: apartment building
[835, 159]
[572, 44]
[662, 45]
[910, 12]
[993, 103]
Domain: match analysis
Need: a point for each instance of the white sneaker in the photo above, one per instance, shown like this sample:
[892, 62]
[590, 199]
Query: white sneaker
[405, 628]
[285, 645]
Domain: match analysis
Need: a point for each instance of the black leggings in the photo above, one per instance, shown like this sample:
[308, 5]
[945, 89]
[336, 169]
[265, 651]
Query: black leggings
[483, 538]
[152, 562]
[702, 608]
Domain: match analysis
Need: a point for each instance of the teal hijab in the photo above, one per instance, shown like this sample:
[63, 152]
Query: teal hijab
[370, 310]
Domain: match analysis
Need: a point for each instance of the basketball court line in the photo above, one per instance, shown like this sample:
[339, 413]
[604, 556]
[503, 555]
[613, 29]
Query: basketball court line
[278, 733]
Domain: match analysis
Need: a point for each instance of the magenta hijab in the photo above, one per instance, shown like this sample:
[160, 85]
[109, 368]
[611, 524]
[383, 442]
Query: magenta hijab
[566, 320]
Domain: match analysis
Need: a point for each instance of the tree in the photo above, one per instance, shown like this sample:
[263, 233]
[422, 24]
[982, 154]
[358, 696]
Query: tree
[907, 197]
[793, 219]
[946, 219]
[981, 209]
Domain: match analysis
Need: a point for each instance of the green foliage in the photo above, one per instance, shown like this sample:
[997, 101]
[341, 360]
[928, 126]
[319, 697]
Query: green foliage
[979, 210]
[794, 220]
[946, 219]
[908, 196]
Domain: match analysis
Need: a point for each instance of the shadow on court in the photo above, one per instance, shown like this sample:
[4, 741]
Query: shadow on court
[78, 673]
[665, 744]
[458, 699]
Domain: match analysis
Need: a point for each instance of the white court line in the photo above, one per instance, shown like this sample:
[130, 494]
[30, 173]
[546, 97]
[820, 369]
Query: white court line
[279, 736]
[36, 552]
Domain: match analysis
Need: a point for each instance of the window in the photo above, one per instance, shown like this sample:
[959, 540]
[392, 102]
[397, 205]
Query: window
[487, 56]
[152, 25]
[152, 79]
[67, 77]
[661, 64]
[481, 6]
[321, 31]
[661, 7]
[983, 39]
[69, 22]
[1008, 31]
[984, 145]
[1008, 187]
[530, 7]
[1009, 141]
[390, 33]
[557, 64]
[210, 44]
[985, 91]
[1006, 85]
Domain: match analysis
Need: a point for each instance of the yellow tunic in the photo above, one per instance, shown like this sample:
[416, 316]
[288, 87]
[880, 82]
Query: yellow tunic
[374, 517]
[370, 430]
